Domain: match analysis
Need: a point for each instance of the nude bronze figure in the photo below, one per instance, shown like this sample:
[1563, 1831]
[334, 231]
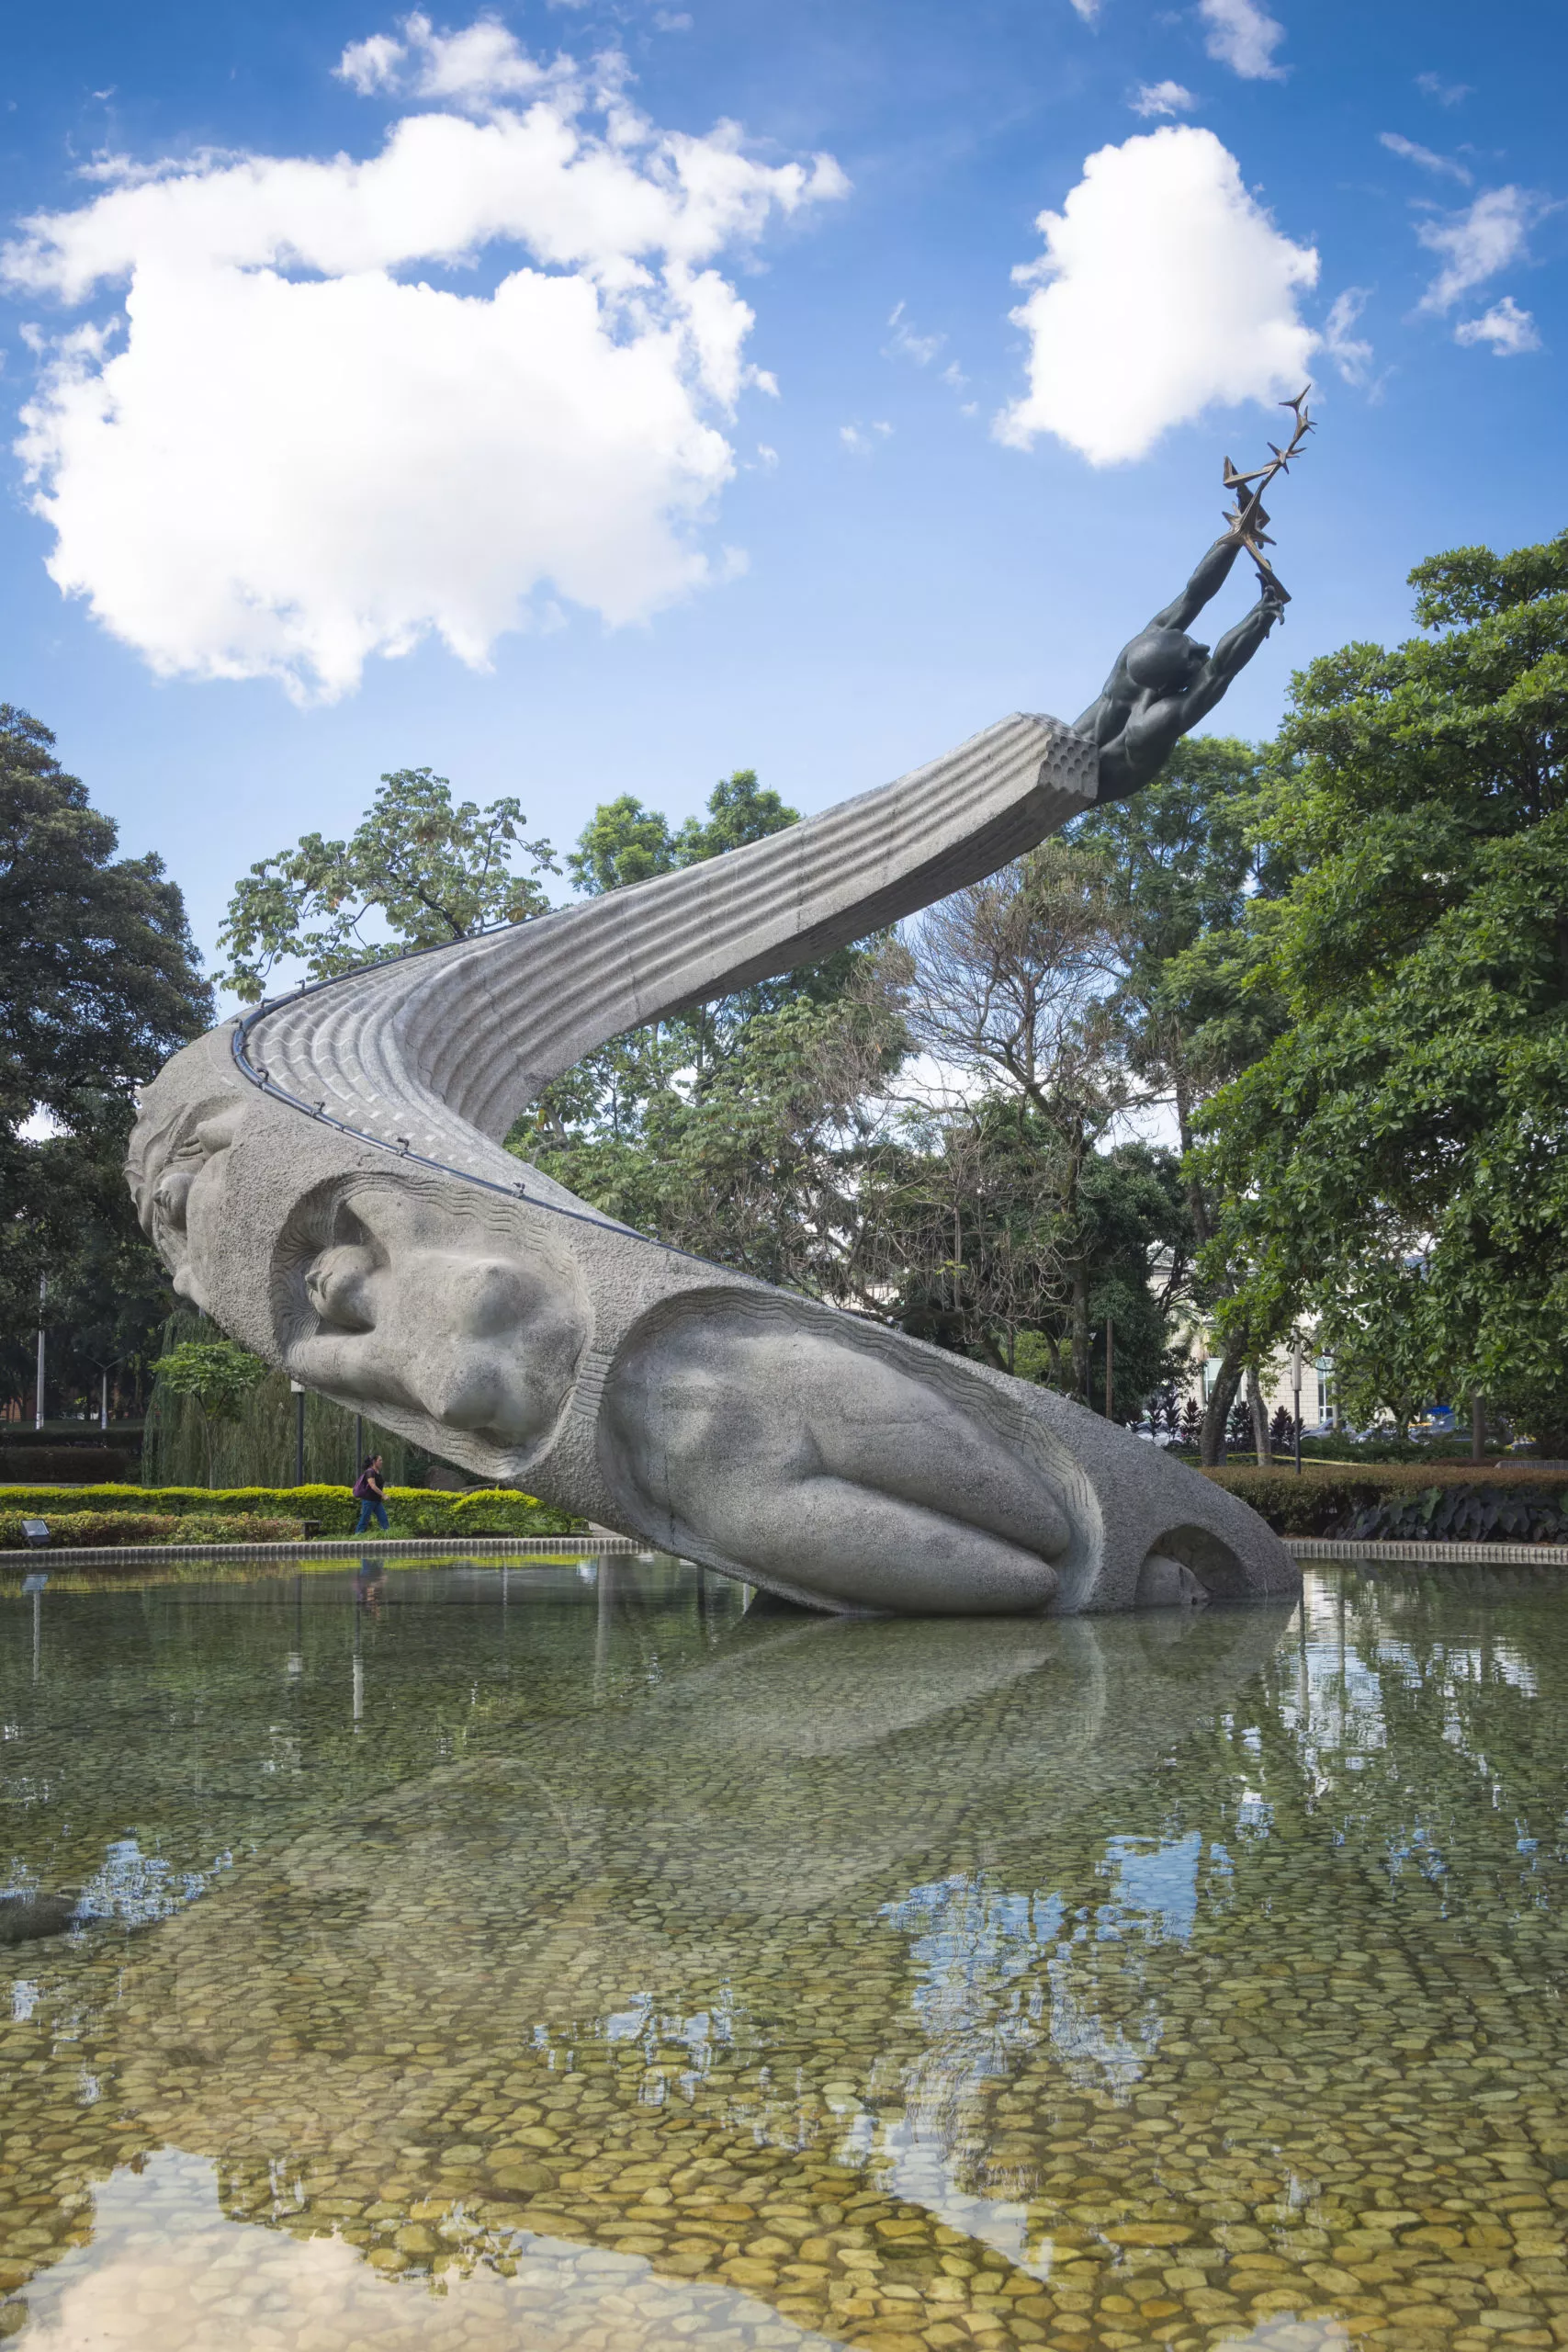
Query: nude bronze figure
[1164, 681]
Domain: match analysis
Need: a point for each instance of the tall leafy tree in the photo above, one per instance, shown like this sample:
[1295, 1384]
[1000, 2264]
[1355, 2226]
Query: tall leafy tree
[1010, 981]
[622, 844]
[1397, 1160]
[218, 1376]
[1189, 870]
[420, 870]
[99, 984]
[647, 1079]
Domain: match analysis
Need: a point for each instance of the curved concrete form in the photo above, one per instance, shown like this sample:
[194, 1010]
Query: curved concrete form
[328, 1180]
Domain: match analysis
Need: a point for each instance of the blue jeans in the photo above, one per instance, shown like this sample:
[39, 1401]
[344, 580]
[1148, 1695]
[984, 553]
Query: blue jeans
[368, 1506]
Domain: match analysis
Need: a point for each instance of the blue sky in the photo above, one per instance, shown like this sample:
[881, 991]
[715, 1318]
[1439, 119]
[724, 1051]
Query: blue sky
[462, 451]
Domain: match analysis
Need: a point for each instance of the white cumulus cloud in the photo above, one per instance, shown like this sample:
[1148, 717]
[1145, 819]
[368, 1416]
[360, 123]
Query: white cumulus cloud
[1161, 97]
[1476, 244]
[482, 63]
[301, 427]
[1164, 288]
[1244, 36]
[1505, 326]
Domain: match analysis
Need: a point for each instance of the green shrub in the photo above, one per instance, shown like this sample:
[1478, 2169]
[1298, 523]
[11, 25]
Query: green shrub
[249, 1527]
[1310, 1505]
[501, 1510]
[1523, 1504]
[76, 1530]
[412, 1511]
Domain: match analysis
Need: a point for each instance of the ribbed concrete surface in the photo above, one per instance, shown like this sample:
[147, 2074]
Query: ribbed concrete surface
[443, 1050]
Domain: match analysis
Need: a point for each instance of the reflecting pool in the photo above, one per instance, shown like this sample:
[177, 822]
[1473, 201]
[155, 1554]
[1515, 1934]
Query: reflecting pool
[576, 1956]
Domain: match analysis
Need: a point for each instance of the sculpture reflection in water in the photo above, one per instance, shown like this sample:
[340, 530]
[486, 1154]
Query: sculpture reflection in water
[852, 1980]
[327, 1181]
[546, 2000]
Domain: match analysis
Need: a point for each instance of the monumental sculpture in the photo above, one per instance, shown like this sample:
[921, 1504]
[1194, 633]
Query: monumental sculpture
[327, 1180]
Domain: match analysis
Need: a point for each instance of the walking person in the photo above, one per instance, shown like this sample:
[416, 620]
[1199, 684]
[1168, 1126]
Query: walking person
[370, 1497]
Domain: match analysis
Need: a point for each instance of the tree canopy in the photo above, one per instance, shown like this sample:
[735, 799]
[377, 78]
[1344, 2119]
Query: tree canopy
[624, 842]
[428, 870]
[217, 1375]
[774, 1131]
[1396, 1162]
[99, 983]
[98, 979]
[721, 1130]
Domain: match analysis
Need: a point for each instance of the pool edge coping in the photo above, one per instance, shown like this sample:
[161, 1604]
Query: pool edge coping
[332, 1547]
[1412, 1549]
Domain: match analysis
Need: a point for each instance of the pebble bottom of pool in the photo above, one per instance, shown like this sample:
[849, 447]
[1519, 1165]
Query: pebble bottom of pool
[583, 1956]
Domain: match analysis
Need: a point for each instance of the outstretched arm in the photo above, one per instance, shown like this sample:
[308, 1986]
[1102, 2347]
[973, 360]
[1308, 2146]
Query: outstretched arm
[1206, 582]
[1230, 656]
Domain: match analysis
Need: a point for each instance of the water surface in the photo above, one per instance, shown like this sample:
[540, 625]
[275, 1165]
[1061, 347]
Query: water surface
[576, 1956]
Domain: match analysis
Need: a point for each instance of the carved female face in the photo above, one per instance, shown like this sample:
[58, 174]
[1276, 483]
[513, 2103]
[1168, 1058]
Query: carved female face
[400, 1296]
[177, 1177]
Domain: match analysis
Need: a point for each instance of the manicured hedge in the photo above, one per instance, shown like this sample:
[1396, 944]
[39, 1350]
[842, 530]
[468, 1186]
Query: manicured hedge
[1522, 1504]
[75, 1530]
[413, 1510]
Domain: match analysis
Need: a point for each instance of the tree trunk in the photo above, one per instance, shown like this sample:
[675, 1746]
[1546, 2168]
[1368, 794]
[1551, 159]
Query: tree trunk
[1477, 1427]
[1080, 1333]
[1217, 1411]
[1259, 1419]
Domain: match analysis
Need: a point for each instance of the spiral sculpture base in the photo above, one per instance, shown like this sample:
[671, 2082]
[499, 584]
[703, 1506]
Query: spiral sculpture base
[327, 1181]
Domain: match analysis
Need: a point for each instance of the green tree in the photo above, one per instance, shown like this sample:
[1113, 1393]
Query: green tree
[767, 1131]
[1184, 865]
[623, 842]
[426, 869]
[1011, 988]
[1397, 1162]
[1189, 868]
[739, 810]
[618, 1097]
[993, 1241]
[217, 1375]
[99, 983]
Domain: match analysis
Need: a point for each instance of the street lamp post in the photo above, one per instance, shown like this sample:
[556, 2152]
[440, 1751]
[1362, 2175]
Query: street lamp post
[103, 1372]
[1296, 1377]
[299, 1394]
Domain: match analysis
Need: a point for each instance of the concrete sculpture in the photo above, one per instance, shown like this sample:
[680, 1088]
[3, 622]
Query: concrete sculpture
[327, 1180]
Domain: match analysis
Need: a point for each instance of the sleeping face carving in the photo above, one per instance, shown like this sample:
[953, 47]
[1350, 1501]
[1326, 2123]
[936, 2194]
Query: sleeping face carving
[451, 1314]
[175, 1172]
[388, 1296]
